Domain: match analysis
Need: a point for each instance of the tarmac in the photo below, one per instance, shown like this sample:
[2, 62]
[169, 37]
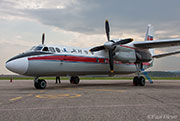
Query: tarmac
[91, 100]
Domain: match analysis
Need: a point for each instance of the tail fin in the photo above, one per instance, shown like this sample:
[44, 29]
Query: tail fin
[149, 37]
[149, 33]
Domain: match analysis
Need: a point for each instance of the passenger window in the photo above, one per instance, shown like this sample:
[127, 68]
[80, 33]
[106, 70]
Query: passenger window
[58, 50]
[52, 49]
[45, 49]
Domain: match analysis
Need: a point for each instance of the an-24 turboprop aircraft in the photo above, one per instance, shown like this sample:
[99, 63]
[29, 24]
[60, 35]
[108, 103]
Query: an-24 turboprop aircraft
[117, 56]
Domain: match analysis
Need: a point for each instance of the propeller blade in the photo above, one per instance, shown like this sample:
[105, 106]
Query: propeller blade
[43, 37]
[97, 48]
[123, 41]
[111, 61]
[107, 30]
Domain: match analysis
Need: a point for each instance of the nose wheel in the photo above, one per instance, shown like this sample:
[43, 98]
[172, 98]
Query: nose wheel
[74, 80]
[40, 83]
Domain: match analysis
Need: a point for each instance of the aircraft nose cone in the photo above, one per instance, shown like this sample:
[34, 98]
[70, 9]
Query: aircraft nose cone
[19, 65]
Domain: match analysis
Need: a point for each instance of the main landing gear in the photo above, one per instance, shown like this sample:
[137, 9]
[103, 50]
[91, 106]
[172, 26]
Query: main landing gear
[74, 80]
[39, 83]
[139, 80]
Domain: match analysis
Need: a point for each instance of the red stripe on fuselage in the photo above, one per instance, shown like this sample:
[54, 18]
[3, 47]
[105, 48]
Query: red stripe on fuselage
[79, 59]
[65, 58]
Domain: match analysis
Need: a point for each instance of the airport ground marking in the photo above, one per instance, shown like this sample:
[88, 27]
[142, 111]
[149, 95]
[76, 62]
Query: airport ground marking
[16, 98]
[57, 96]
[20, 97]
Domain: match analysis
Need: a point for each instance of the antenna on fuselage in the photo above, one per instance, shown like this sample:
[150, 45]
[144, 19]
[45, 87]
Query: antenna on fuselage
[43, 38]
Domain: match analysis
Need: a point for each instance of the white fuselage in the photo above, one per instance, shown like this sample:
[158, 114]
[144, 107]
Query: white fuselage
[67, 61]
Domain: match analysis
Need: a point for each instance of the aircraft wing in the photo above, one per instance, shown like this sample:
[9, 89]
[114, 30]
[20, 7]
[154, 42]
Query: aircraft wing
[165, 54]
[157, 43]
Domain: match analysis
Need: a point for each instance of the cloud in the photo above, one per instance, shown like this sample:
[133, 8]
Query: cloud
[88, 17]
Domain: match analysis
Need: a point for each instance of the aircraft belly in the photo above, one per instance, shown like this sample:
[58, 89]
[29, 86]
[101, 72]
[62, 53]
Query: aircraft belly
[54, 68]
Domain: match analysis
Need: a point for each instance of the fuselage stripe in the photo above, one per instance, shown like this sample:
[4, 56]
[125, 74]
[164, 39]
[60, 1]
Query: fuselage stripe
[79, 59]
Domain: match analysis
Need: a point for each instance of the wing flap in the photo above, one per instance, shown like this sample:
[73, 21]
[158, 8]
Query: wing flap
[157, 43]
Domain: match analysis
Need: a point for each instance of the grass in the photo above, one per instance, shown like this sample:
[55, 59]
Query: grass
[90, 78]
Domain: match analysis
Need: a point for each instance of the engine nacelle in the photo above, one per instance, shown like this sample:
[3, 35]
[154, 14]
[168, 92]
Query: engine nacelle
[125, 57]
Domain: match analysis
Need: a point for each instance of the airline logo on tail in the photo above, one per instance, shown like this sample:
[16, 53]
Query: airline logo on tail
[149, 33]
[149, 37]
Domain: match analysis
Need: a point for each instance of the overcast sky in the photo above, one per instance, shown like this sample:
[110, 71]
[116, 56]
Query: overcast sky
[80, 23]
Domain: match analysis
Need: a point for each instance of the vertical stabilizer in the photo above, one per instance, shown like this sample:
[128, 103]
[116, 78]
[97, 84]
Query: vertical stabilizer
[149, 33]
[150, 36]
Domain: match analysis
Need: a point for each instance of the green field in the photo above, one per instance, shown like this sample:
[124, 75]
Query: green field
[91, 78]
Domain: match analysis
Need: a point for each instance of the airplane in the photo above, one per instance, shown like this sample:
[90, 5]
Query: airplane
[116, 56]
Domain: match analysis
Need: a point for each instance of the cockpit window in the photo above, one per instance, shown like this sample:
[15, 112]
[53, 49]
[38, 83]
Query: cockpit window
[38, 48]
[45, 49]
[33, 48]
[52, 49]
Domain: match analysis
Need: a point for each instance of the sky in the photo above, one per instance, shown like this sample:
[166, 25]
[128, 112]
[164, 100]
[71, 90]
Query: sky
[80, 23]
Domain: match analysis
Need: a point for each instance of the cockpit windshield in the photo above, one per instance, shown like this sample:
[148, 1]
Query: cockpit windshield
[36, 48]
[44, 49]
[33, 48]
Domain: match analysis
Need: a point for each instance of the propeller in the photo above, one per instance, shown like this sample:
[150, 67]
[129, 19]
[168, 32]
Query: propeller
[97, 48]
[43, 38]
[123, 41]
[107, 30]
[111, 60]
[110, 45]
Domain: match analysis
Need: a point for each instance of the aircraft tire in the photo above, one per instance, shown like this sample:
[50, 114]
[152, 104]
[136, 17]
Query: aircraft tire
[142, 81]
[36, 85]
[136, 81]
[41, 84]
[74, 80]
